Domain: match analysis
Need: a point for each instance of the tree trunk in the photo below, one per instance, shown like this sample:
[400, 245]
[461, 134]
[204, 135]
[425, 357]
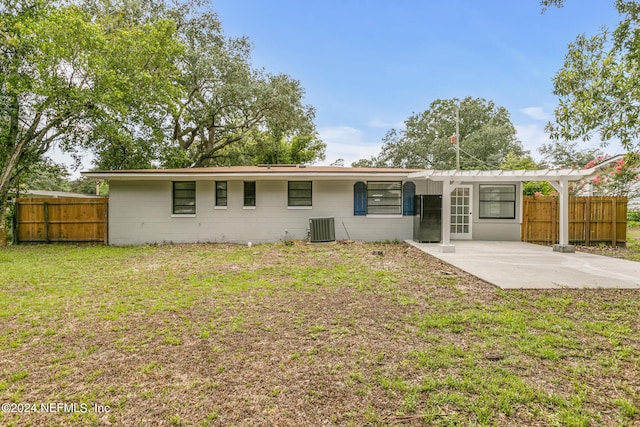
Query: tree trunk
[5, 182]
[3, 217]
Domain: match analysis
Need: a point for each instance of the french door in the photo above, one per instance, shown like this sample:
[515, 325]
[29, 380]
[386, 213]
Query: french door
[461, 213]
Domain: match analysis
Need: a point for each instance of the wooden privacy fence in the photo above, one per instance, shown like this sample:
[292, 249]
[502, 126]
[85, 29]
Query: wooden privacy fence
[592, 220]
[61, 220]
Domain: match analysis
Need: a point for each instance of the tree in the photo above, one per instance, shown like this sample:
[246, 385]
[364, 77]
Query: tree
[46, 175]
[548, 3]
[526, 162]
[262, 147]
[229, 112]
[615, 178]
[72, 79]
[142, 84]
[562, 154]
[222, 110]
[84, 185]
[599, 83]
[486, 137]
[520, 162]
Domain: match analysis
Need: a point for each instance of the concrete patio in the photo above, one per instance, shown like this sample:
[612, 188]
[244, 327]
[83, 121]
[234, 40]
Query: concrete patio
[519, 265]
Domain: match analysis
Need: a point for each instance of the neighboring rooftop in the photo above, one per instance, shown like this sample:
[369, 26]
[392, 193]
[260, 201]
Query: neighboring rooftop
[56, 194]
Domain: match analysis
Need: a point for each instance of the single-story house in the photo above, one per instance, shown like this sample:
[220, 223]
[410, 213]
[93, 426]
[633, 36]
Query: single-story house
[270, 203]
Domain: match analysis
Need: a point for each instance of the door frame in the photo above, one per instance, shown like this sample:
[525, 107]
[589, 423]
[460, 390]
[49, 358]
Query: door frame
[468, 235]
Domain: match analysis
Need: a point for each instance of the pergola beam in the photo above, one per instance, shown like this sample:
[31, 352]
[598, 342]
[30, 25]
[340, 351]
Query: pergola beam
[558, 178]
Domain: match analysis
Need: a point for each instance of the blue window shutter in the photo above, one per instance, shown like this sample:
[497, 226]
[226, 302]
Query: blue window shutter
[408, 191]
[360, 199]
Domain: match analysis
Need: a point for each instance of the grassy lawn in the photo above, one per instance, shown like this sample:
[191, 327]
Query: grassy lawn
[298, 334]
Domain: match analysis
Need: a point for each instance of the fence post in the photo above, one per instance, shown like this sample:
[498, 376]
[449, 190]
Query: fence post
[46, 221]
[587, 222]
[525, 219]
[614, 221]
[14, 225]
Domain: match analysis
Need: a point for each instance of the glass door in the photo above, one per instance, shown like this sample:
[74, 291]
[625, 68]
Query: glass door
[461, 213]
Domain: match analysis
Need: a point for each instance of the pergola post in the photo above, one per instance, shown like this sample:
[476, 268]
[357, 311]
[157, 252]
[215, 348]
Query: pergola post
[446, 245]
[562, 186]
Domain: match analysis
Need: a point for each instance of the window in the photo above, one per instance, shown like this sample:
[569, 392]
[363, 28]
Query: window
[299, 193]
[497, 201]
[249, 193]
[184, 197]
[384, 198]
[221, 193]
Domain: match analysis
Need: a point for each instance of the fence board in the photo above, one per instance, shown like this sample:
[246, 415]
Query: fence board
[592, 220]
[61, 220]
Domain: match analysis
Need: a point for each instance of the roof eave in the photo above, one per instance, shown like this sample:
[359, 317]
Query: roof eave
[160, 176]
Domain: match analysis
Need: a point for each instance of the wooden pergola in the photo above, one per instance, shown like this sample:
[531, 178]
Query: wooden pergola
[558, 178]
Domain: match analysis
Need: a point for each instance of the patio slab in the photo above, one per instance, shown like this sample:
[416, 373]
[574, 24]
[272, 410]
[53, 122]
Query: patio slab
[519, 265]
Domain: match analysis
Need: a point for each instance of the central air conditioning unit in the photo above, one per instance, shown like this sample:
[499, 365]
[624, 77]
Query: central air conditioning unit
[322, 230]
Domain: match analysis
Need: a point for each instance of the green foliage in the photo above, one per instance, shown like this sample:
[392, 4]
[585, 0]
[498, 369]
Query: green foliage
[633, 216]
[8, 218]
[263, 148]
[141, 84]
[487, 136]
[614, 178]
[46, 175]
[77, 80]
[564, 154]
[548, 3]
[599, 83]
[536, 188]
[228, 112]
[520, 162]
[84, 185]
[526, 162]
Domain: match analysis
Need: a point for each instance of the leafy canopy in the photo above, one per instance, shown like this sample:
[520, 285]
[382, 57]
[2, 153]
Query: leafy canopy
[69, 78]
[487, 136]
[141, 84]
[599, 83]
[222, 110]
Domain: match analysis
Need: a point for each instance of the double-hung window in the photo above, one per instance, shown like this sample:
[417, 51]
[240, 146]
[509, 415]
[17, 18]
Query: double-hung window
[299, 193]
[497, 201]
[249, 193]
[384, 198]
[184, 197]
[221, 193]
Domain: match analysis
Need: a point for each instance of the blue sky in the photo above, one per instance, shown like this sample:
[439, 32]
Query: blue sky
[367, 66]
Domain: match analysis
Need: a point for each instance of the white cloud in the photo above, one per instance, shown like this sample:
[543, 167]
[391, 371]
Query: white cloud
[376, 123]
[537, 113]
[345, 142]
